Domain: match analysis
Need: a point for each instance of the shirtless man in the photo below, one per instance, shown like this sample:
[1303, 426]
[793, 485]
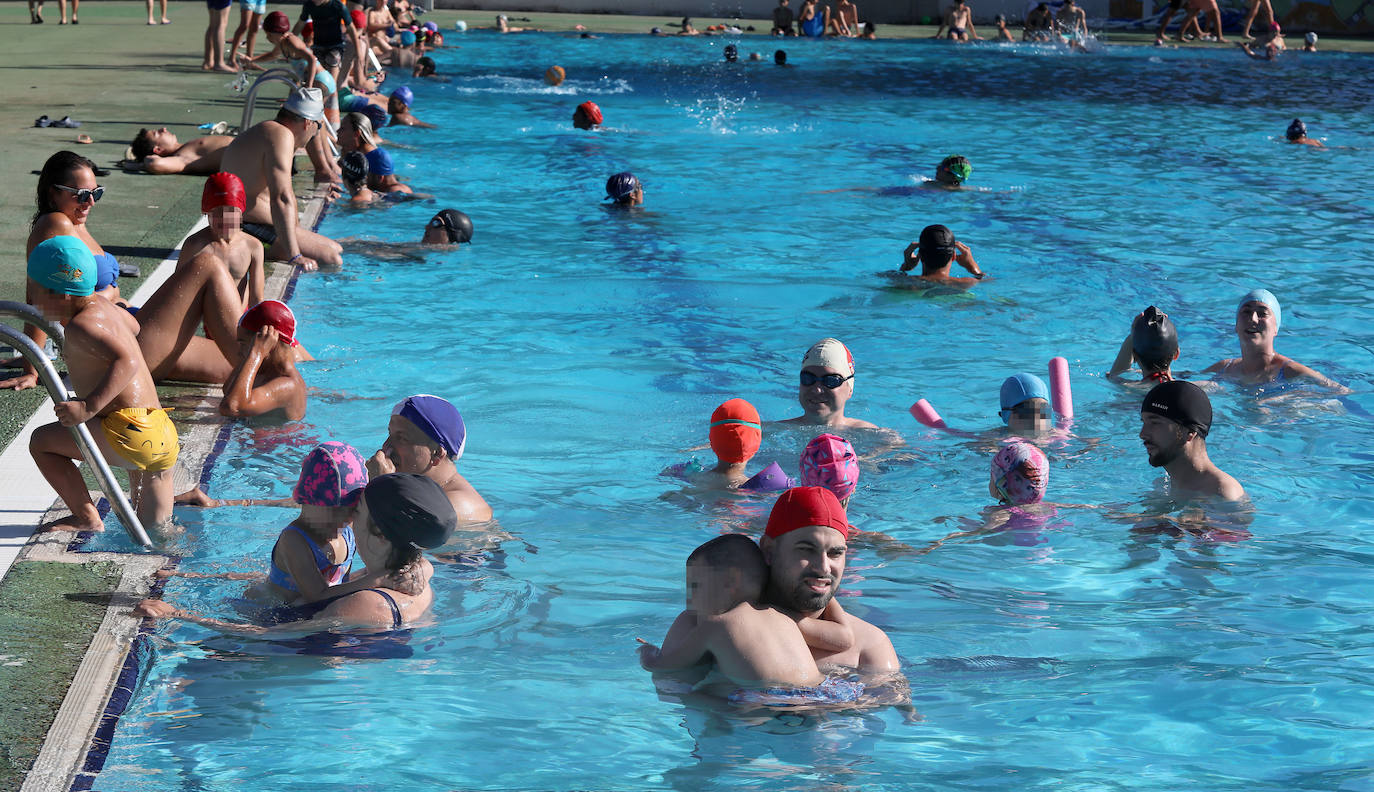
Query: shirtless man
[115, 396]
[1175, 419]
[805, 545]
[1039, 20]
[1257, 323]
[426, 435]
[935, 251]
[158, 152]
[261, 157]
[827, 383]
[223, 201]
[1297, 133]
[959, 19]
[845, 20]
[1072, 20]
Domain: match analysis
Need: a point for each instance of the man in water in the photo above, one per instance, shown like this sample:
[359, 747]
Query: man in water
[1039, 21]
[1297, 133]
[827, 384]
[426, 435]
[262, 157]
[1174, 421]
[398, 105]
[935, 251]
[959, 19]
[158, 152]
[1257, 323]
[804, 546]
[448, 227]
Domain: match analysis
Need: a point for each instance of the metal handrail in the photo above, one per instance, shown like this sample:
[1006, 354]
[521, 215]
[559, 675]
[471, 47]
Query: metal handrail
[58, 391]
[279, 74]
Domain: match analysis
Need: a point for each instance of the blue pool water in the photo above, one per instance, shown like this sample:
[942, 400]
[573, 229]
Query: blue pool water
[586, 350]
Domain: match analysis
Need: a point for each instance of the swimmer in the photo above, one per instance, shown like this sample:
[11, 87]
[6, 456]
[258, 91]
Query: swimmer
[425, 67]
[1309, 42]
[353, 166]
[780, 58]
[265, 380]
[114, 392]
[735, 434]
[953, 171]
[731, 53]
[427, 436]
[749, 645]
[404, 515]
[1175, 419]
[1297, 133]
[587, 116]
[1025, 403]
[624, 190]
[1002, 33]
[356, 134]
[827, 384]
[1272, 42]
[449, 227]
[157, 151]
[1072, 20]
[1040, 21]
[870, 32]
[959, 19]
[687, 29]
[398, 105]
[1152, 344]
[829, 461]
[1257, 324]
[503, 25]
[935, 251]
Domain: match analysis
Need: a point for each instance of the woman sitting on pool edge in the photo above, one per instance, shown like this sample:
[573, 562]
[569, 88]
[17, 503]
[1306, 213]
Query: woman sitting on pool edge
[405, 514]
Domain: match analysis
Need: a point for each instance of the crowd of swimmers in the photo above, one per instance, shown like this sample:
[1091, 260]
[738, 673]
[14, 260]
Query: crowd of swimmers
[761, 627]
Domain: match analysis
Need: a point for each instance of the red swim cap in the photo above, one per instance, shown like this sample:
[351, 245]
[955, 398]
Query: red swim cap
[276, 22]
[359, 19]
[800, 507]
[223, 189]
[274, 314]
[735, 431]
[593, 112]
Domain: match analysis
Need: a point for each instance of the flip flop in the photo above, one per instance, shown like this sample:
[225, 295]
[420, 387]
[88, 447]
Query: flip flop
[84, 138]
[42, 121]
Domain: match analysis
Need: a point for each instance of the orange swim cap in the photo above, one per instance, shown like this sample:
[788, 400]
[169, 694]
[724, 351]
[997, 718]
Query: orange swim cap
[735, 431]
[223, 189]
[593, 112]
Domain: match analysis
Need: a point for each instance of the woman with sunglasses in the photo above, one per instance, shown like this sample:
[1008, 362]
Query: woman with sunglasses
[67, 192]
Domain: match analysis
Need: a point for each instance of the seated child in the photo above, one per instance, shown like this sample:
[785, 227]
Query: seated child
[752, 646]
[266, 379]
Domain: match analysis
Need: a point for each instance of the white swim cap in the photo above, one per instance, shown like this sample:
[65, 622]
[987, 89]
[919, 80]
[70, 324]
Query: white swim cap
[830, 353]
[460, 25]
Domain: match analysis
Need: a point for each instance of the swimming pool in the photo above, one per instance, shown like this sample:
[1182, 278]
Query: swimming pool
[586, 349]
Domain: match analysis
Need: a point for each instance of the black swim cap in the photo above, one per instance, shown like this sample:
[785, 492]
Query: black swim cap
[354, 166]
[731, 52]
[1154, 339]
[455, 223]
[410, 510]
[1181, 402]
[621, 185]
[936, 245]
[1297, 130]
[780, 57]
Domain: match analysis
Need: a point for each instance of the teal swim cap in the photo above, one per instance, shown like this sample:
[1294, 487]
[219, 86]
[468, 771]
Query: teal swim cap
[1267, 298]
[1020, 387]
[65, 265]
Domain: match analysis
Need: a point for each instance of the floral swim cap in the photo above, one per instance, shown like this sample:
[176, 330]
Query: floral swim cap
[829, 461]
[1020, 473]
[332, 474]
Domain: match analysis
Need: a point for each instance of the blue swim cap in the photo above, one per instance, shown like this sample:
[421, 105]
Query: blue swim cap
[407, 38]
[1266, 297]
[63, 264]
[620, 185]
[438, 419]
[1019, 388]
[406, 95]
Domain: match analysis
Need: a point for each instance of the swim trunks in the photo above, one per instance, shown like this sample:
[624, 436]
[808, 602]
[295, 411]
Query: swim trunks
[106, 271]
[831, 691]
[216, 5]
[329, 57]
[262, 232]
[254, 6]
[379, 162]
[956, 31]
[333, 574]
[144, 437]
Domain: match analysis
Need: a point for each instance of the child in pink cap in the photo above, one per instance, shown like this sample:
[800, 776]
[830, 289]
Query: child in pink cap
[829, 461]
[1020, 474]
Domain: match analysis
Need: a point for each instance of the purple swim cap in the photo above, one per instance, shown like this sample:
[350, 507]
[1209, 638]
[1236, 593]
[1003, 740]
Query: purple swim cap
[829, 461]
[438, 419]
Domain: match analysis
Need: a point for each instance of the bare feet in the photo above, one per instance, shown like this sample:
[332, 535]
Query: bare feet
[88, 519]
[226, 69]
[166, 21]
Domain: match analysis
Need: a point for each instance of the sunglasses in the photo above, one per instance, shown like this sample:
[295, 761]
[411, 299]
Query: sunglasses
[830, 381]
[83, 196]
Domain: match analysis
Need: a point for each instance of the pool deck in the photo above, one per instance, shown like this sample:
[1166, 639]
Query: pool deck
[135, 76]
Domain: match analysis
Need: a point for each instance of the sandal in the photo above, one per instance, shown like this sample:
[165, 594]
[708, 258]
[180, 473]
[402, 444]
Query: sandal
[42, 121]
[84, 138]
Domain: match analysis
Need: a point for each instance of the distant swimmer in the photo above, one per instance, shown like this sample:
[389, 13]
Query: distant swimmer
[953, 171]
[624, 190]
[1309, 42]
[827, 384]
[157, 151]
[587, 116]
[265, 380]
[503, 25]
[427, 436]
[1175, 419]
[959, 19]
[448, 227]
[935, 251]
[1152, 345]
[1257, 324]
[1270, 44]
[780, 58]
[1039, 22]
[1025, 401]
[1297, 133]
[731, 53]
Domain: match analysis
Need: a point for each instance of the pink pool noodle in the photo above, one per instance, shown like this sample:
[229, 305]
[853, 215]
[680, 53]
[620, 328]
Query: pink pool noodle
[923, 412]
[1060, 392]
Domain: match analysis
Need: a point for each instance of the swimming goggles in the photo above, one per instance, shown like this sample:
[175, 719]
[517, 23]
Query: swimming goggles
[1027, 412]
[443, 221]
[830, 381]
[83, 195]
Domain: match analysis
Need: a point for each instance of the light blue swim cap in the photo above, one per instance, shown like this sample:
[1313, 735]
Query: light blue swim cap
[1020, 387]
[65, 265]
[1267, 297]
[407, 38]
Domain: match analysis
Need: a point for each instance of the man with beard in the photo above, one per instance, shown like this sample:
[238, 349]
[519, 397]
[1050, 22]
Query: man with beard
[1175, 419]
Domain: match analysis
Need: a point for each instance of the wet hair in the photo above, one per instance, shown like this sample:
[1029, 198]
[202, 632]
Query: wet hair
[731, 53]
[55, 171]
[426, 65]
[1154, 340]
[734, 553]
[142, 145]
[780, 57]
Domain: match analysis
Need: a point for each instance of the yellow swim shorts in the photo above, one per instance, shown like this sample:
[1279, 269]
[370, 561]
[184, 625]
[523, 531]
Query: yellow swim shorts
[145, 437]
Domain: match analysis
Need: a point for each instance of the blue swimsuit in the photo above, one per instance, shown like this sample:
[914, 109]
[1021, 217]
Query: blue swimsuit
[334, 574]
[106, 271]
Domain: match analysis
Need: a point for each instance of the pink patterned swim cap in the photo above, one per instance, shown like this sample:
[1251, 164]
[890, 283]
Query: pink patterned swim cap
[829, 461]
[332, 474]
[1021, 473]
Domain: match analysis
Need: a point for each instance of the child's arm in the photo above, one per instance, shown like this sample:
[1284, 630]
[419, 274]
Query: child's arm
[831, 632]
[299, 563]
[1125, 356]
[124, 359]
[683, 647]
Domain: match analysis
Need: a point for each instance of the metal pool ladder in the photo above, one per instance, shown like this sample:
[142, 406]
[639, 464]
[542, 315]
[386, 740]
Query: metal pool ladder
[281, 75]
[48, 376]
